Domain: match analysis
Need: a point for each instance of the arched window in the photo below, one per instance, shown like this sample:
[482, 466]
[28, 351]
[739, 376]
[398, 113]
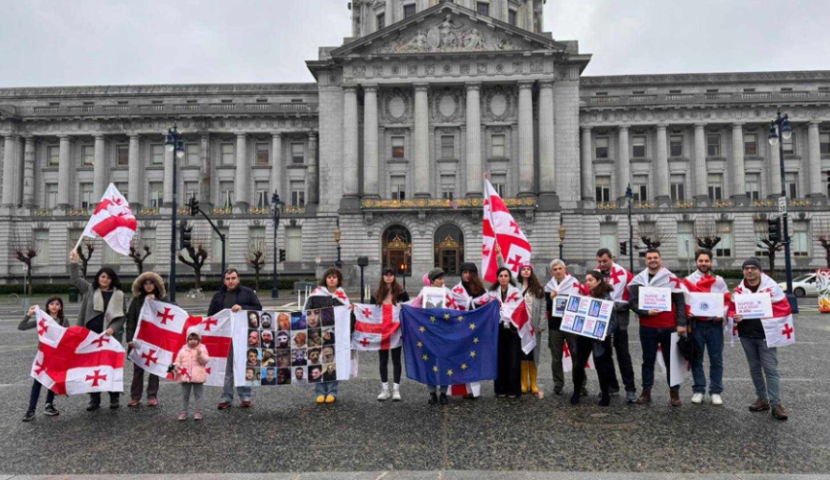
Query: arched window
[396, 249]
[449, 248]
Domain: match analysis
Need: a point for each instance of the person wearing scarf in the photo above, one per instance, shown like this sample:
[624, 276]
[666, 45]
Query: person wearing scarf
[561, 284]
[330, 293]
[468, 294]
[534, 296]
[508, 380]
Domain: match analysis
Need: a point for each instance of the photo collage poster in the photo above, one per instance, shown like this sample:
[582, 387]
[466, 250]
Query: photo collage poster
[587, 316]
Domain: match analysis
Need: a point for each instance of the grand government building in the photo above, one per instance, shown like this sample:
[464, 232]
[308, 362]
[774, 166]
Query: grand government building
[390, 144]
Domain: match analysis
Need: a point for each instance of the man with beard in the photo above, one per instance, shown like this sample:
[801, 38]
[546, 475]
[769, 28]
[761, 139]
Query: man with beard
[619, 278]
[269, 377]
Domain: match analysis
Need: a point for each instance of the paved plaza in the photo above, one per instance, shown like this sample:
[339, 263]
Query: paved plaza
[287, 432]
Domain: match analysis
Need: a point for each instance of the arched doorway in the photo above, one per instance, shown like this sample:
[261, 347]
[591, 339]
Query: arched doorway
[449, 248]
[397, 249]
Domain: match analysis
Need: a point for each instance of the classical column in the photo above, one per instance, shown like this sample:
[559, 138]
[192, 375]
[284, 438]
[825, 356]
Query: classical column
[623, 162]
[243, 172]
[9, 159]
[370, 140]
[134, 175]
[350, 146]
[525, 138]
[276, 165]
[475, 181]
[29, 173]
[661, 158]
[587, 169]
[99, 173]
[205, 173]
[814, 160]
[421, 141]
[774, 171]
[313, 178]
[738, 172]
[701, 181]
[64, 173]
[547, 143]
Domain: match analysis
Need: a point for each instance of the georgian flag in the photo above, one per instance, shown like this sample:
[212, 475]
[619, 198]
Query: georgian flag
[619, 278]
[162, 332]
[75, 360]
[339, 296]
[514, 312]
[779, 328]
[500, 228]
[568, 360]
[663, 279]
[113, 220]
[377, 327]
[459, 299]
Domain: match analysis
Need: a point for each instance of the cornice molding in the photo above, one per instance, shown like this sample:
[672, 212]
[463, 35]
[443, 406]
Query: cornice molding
[704, 78]
[158, 90]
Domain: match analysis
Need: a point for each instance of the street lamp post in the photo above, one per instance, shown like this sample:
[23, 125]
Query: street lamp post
[785, 132]
[175, 145]
[562, 232]
[337, 237]
[275, 201]
[629, 194]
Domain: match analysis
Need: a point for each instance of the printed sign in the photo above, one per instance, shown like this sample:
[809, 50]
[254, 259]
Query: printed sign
[706, 304]
[753, 305]
[655, 298]
[586, 316]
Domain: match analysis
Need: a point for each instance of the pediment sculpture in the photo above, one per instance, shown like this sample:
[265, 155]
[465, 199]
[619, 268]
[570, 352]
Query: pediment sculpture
[449, 35]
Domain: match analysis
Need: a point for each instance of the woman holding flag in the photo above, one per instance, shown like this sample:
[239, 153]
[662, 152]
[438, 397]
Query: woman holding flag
[509, 380]
[469, 294]
[329, 294]
[54, 308]
[148, 286]
[390, 292]
[534, 296]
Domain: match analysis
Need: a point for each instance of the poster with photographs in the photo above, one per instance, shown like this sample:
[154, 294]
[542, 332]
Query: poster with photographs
[292, 348]
[587, 316]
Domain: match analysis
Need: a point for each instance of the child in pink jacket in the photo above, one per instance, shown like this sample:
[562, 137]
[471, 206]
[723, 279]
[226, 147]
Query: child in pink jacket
[190, 370]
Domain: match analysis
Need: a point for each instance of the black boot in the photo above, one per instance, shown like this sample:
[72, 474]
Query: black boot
[433, 399]
[575, 398]
[443, 400]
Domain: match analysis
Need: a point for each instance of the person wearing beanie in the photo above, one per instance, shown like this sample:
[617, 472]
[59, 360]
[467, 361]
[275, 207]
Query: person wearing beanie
[534, 296]
[434, 279]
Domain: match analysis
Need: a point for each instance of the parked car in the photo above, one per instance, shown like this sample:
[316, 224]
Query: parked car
[803, 285]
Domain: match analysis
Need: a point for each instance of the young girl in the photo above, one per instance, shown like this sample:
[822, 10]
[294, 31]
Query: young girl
[534, 296]
[390, 292]
[148, 286]
[190, 367]
[508, 379]
[54, 307]
[596, 287]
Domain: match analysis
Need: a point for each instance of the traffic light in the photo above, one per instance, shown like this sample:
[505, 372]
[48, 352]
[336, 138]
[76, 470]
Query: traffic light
[282, 255]
[185, 236]
[194, 206]
[623, 248]
[775, 230]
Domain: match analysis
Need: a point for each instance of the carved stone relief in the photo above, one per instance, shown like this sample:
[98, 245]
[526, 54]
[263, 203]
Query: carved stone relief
[397, 105]
[499, 103]
[450, 35]
[447, 105]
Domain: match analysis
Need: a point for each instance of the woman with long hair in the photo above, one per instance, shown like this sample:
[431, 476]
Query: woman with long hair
[148, 286]
[534, 296]
[508, 379]
[468, 295]
[596, 287]
[329, 294]
[54, 308]
[390, 292]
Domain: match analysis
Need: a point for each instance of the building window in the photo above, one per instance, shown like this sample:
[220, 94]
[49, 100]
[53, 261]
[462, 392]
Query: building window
[157, 154]
[483, 8]
[601, 147]
[789, 145]
[194, 151]
[678, 188]
[824, 143]
[640, 188]
[676, 145]
[53, 154]
[512, 17]
[297, 193]
[86, 200]
[409, 10]
[685, 240]
[191, 191]
[156, 194]
[261, 192]
[801, 235]
[51, 195]
[262, 153]
[298, 153]
[638, 146]
[603, 186]
[294, 244]
[497, 146]
[87, 155]
[715, 184]
[381, 21]
[791, 181]
[608, 237]
[753, 186]
[713, 145]
[227, 194]
[216, 241]
[122, 155]
[447, 186]
[447, 146]
[727, 241]
[397, 147]
[41, 247]
[228, 153]
[398, 187]
[499, 182]
[750, 144]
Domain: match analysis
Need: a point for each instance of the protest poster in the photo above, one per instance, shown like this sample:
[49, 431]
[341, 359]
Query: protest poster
[679, 367]
[291, 348]
[655, 298]
[559, 304]
[706, 304]
[587, 316]
[753, 305]
[434, 297]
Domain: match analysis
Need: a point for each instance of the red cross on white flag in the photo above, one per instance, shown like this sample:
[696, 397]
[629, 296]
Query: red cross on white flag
[377, 327]
[500, 228]
[113, 220]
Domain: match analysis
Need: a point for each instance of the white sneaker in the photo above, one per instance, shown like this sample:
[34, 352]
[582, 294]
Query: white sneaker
[697, 398]
[396, 394]
[384, 394]
[716, 400]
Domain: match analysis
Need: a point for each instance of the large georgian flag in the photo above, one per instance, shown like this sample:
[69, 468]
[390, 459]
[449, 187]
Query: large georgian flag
[514, 311]
[779, 328]
[162, 332]
[500, 228]
[75, 360]
[113, 220]
[377, 327]
[459, 299]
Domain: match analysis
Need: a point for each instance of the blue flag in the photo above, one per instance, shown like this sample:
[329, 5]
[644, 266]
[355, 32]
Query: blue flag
[450, 347]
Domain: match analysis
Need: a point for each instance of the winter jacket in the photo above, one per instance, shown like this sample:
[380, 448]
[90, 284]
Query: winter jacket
[93, 303]
[191, 361]
[137, 303]
[675, 318]
[245, 298]
[29, 323]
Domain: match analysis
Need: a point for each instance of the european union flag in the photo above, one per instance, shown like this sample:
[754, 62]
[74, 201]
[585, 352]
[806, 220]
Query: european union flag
[450, 347]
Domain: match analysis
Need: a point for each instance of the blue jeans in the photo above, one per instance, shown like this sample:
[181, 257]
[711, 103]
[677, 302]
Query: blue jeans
[709, 337]
[763, 367]
[650, 339]
[327, 388]
[227, 390]
[35, 394]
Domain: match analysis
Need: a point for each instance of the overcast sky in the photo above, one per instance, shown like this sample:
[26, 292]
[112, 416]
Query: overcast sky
[98, 42]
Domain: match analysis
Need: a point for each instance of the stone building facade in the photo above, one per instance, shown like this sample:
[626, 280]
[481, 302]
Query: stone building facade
[392, 140]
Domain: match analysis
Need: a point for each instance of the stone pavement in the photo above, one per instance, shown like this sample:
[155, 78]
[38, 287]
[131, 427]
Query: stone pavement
[287, 432]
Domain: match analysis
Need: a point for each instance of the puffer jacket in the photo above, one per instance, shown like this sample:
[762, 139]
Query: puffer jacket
[191, 361]
[137, 303]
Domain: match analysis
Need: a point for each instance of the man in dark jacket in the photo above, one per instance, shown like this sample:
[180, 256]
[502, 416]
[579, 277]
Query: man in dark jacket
[235, 297]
